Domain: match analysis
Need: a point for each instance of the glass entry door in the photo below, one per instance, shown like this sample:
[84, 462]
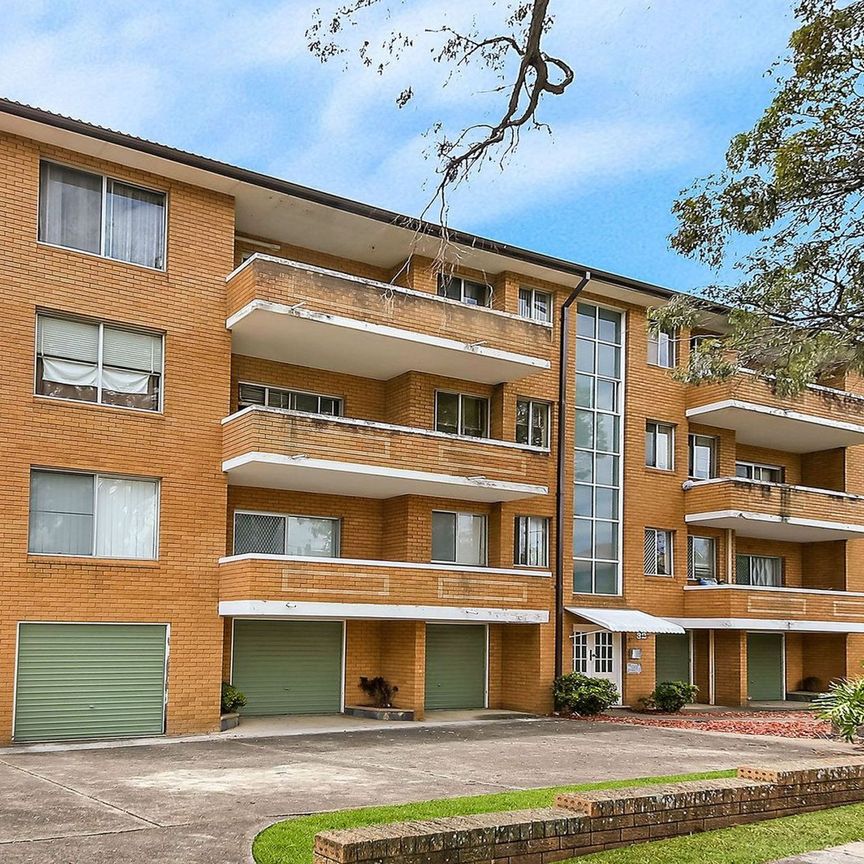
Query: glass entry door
[598, 654]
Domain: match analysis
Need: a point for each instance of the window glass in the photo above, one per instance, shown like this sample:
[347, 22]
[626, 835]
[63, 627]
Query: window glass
[259, 533]
[312, 537]
[443, 536]
[759, 571]
[459, 538]
[473, 417]
[762, 473]
[531, 542]
[658, 552]
[702, 559]
[659, 445]
[535, 304]
[70, 208]
[532, 423]
[661, 349]
[135, 225]
[450, 287]
[474, 293]
[703, 457]
[61, 513]
[126, 517]
[305, 402]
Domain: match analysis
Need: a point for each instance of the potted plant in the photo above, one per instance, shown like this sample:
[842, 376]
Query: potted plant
[232, 701]
[380, 690]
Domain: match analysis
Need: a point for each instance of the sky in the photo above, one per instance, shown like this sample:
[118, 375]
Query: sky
[661, 87]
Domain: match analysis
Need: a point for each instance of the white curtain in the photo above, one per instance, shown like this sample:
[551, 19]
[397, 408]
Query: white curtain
[123, 381]
[764, 571]
[126, 517]
[471, 539]
[135, 225]
[70, 207]
[69, 372]
[61, 513]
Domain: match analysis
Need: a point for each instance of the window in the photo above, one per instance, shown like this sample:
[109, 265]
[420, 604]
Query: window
[597, 469]
[532, 423]
[92, 514]
[762, 473]
[92, 362]
[459, 538]
[93, 213]
[702, 457]
[274, 397]
[535, 304]
[659, 445]
[531, 541]
[758, 570]
[458, 414]
[701, 558]
[464, 290]
[662, 349]
[280, 534]
[658, 552]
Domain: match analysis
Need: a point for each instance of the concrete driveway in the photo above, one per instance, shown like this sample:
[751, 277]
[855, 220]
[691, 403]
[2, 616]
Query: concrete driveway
[203, 801]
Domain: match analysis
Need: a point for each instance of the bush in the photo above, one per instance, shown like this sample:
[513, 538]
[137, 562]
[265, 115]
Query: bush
[232, 699]
[670, 696]
[579, 694]
[381, 691]
[843, 705]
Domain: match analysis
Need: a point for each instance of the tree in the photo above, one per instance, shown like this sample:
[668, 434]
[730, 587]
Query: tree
[524, 71]
[787, 213]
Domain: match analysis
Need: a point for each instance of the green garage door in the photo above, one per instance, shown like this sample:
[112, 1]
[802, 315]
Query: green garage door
[89, 681]
[765, 666]
[455, 666]
[288, 667]
[672, 657]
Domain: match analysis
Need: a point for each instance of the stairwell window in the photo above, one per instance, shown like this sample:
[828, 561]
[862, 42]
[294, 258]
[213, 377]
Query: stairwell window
[283, 534]
[532, 423]
[702, 558]
[459, 414]
[759, 571]
[88, 361]
[459, 538]
[534, 304]
[658, 552]
[662, 348]
[293, 400]
[531, 541]
[99, 515]
[464, 290]
[659, 445]
[98, 214]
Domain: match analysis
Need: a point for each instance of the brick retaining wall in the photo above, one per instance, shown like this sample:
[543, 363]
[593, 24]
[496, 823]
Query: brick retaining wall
[585, 822]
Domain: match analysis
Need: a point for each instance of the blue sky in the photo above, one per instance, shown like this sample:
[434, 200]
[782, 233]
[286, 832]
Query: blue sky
[661, 86]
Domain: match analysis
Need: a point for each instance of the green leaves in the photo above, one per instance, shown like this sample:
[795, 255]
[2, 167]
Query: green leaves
[843, 706]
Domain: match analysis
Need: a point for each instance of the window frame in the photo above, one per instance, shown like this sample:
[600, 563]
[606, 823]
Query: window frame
[712, 470]
[519, 535]
[532, 294]
[670, 536]
[106, 180]
[291, 391]
[96, 475]
[671, 447]
[781, 570]
[691, 557]
[459, 416]
[762, 466]
[457, 514]
[101, 324]
[532, 404]
[487, 288]
[655, 343]
[285, 517]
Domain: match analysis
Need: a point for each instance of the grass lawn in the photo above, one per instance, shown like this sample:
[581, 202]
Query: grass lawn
[290, 842]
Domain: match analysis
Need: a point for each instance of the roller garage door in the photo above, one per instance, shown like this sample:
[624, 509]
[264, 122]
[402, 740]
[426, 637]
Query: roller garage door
[765, 666]
[90, 681]
[672, 657]
[288, 667]
[455, 666]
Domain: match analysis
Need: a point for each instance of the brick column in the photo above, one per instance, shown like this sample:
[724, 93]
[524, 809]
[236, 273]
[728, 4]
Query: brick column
[730, 667]
[855, 655]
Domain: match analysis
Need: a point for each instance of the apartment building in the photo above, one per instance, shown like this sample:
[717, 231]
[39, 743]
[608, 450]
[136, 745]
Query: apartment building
[254, 433]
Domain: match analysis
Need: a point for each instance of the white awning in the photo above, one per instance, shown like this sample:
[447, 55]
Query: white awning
[772, 624]
[626, 620]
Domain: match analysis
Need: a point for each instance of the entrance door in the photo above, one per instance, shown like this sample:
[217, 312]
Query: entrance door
[598, 654]
[765, 667]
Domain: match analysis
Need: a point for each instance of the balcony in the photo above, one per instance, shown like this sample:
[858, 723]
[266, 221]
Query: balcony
[819, 419]
[278, 449]
[799, 609]
[774, 511]
[295, 313]
[284, 585]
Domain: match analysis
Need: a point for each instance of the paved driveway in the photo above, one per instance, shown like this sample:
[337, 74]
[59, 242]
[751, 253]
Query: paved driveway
[204, 801]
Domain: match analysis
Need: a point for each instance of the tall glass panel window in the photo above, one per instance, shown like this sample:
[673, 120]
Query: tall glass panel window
[702, 457]
[596, 522]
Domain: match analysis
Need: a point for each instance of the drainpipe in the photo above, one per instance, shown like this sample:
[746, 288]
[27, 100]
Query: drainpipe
[561, 466]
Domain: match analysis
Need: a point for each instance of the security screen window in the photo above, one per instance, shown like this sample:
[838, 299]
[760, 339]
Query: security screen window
[283, 534]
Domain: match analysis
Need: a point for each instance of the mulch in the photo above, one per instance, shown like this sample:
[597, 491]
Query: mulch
[785, 724]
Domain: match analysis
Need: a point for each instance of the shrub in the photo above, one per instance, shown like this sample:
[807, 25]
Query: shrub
[381, 691]
[843, 705]
[232, 699]
[670, 696]
[580, 694]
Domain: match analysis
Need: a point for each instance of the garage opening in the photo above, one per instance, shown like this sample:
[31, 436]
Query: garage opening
[455, 666]
[672, 658]
[78, 681]
[765, 673]
[288, 667]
